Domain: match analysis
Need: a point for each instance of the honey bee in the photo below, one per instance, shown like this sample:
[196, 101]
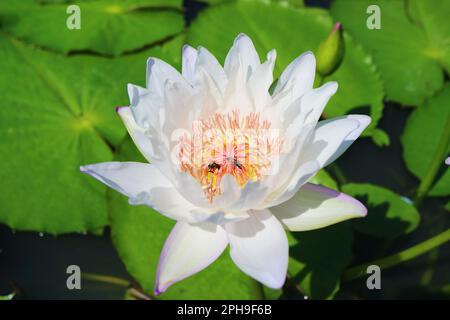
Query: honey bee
[213, 167]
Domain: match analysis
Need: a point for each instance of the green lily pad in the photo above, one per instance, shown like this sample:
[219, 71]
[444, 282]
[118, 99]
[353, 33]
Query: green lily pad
[318, 258]
[107, 27]
[324, 178]
[408, 56]
[432, 16]
[389, 215]
[291, 32]
[138, 234]
[426, 142]
[290, 3]
[57, 114]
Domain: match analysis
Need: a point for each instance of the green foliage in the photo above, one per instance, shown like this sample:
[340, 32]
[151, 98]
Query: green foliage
[70, 121]
[46, 138]
[447, 206]
[107, 27]
[409, 54]
[389, 215]
[290, 3]
[426, 142]
[318, 259]
[323, 177]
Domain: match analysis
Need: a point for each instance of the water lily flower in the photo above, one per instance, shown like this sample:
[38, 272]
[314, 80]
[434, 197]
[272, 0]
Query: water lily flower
[230, 161]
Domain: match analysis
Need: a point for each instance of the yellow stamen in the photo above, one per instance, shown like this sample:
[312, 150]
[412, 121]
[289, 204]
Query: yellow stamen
[227, 144]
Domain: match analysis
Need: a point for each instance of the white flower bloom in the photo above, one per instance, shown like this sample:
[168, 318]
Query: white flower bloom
[230, 162]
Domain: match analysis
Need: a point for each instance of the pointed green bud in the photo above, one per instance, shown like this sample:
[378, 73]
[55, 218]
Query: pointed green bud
[331, 51]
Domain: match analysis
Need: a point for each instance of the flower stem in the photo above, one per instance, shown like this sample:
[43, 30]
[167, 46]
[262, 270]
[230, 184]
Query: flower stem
[134, 294]
[402, 256]
[338, 173]
[297, 287]
[438, 159]
[320, 80]
[258, 290]
[429, 271]
[106, 279]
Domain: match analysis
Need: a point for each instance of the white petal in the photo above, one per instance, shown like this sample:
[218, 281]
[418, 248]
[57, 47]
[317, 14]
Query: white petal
[145, 106]
[144, 184]
[209, 64]
[316, 207]
[307, 109]
[148, 141]
[317, 99]
[158, 72]
[364, 122]
[298, 179]
[286, 166]
[137, 133]
[129, 178]
[187, 186]
[218, 217]
[188, 250]
[188, 64]
[298, 77]
[332, 137]
[233, 197]
[251, 196]
[261, 80]
[259, 247]
[180, 108]
[242, 55]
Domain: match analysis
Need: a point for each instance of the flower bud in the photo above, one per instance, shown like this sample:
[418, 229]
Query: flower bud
[331, 51]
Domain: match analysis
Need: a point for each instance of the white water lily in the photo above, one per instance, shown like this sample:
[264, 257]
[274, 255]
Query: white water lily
[231, 162]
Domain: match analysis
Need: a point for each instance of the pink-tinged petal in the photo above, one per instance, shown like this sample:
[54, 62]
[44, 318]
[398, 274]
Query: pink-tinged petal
[333, 137]
[315, 207]
[259, 247]
[447, 161]
[143, 184]
[188, 250]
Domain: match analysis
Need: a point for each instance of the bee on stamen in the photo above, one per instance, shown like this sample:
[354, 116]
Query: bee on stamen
[213, 167]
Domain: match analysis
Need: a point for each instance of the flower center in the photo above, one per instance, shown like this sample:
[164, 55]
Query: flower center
[242, 147]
